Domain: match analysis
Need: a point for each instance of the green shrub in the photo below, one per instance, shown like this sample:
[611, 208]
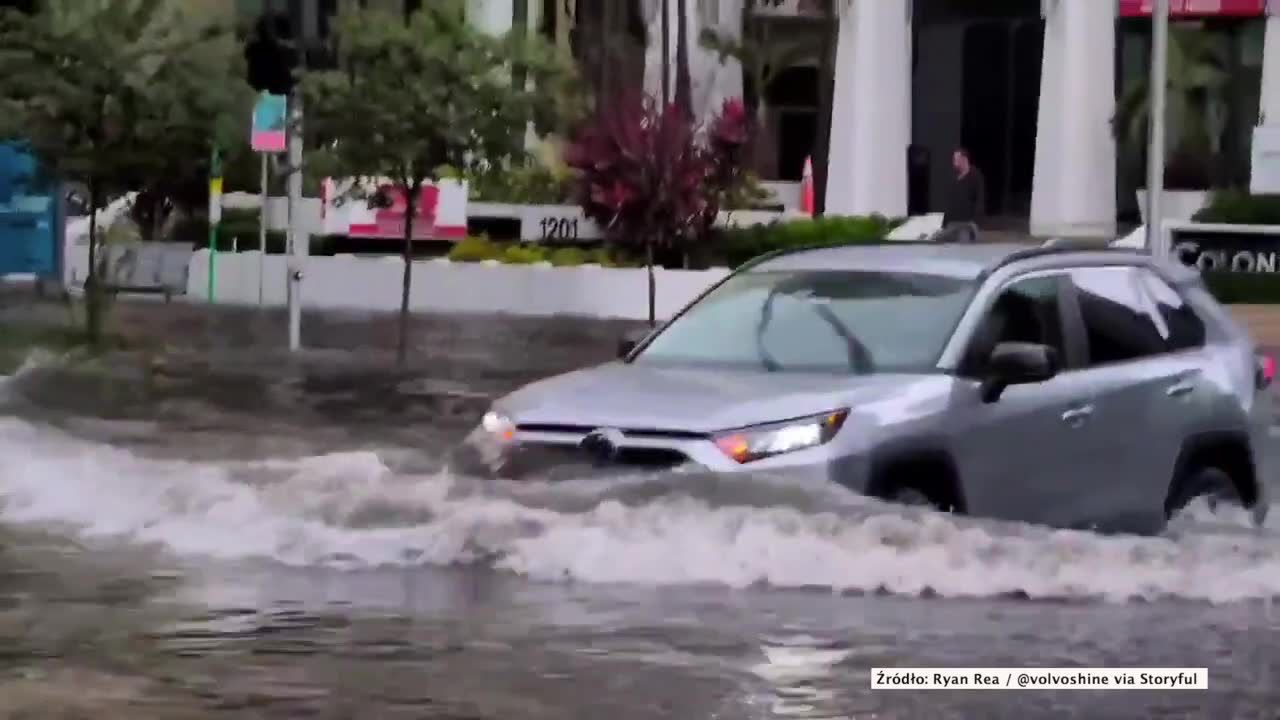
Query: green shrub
[569, 256]
[523, 255]
[1238, 207]
[475, 249]
[530, 184]
[738, 245]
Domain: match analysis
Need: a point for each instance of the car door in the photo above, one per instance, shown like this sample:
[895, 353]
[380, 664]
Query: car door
[1141, 394]
[1019, 455]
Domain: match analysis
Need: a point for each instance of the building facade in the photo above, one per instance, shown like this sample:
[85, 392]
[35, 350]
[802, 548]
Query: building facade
[1046, 94]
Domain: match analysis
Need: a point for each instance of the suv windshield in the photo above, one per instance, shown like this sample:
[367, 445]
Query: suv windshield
[838, 321]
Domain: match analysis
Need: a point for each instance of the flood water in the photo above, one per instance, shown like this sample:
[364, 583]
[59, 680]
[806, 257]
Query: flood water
[230, 533]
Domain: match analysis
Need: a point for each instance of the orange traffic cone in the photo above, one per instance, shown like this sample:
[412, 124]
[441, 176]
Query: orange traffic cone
[806, 188]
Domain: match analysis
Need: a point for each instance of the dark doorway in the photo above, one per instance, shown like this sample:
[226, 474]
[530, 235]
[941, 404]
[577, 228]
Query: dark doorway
[976, 83]
[1001, 99]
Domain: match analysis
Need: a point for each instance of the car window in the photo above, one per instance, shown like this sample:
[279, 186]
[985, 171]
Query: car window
[1176, 320]
[842, 321]
[1119, 322]
[1028, 311]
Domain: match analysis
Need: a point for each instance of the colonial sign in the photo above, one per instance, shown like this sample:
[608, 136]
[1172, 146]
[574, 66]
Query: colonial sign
[1210, 251]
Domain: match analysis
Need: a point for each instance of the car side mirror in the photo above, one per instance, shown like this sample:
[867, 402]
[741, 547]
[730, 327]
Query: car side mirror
[632, 338]
[1017, 363]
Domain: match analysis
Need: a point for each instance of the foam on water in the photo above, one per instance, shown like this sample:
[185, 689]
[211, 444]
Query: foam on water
[349, 509]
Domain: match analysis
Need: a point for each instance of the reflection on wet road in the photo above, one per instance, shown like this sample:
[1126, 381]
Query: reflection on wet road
[277, 539]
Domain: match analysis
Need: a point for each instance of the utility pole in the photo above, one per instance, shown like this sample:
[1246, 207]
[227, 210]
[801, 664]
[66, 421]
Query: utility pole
[1156, 124]
[298, 239]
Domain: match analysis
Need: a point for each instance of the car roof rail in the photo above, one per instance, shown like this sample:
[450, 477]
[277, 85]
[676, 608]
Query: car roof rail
[1060, 246]
[758, 259]
[1069, 243]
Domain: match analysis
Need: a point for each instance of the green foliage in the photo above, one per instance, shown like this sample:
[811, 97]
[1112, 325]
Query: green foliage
[410, 96]
[480, 249]
[520, 254]
[121, 95]
[1198, 79]
[474, 249]
[748, 194]
[567, 257]
[460, 106]
[739, 245]
[1238, 207]
[528, 184]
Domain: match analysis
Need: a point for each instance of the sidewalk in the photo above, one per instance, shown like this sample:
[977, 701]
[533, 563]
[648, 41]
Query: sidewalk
[1263, 322]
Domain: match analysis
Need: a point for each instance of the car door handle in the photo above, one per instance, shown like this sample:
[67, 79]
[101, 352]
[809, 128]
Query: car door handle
[1179, 390]
[1076, 416]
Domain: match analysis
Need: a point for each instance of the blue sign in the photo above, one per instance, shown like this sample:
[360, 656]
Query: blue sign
[268, 133]
[29, 223]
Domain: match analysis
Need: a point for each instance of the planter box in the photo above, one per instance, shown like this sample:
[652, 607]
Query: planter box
[1176, 205]
[345, 282]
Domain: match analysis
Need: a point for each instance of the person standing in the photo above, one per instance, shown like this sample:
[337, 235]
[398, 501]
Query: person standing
[966, 201]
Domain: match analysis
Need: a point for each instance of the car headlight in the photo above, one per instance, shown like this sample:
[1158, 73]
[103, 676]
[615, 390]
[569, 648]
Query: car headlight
[762, 441]
[498, 425]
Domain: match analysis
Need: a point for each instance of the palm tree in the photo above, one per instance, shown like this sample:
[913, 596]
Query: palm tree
[1195, 108]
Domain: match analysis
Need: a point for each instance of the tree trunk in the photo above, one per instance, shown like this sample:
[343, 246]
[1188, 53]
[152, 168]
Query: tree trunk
[826, 78]
[764, 149]
[684, 89]
[666, 53]
[92, 298]
[410, 209]
[653, 287]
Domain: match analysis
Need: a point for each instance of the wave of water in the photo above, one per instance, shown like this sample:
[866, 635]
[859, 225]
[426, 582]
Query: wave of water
[351, 510]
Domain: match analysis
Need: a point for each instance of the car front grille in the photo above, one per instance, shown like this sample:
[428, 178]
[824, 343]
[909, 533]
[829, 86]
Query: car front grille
[537, 458]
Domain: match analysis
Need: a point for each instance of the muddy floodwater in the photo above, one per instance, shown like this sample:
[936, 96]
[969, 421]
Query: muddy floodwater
[216, 529]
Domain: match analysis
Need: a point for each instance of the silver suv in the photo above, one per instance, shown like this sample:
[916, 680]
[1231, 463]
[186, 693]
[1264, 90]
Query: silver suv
[1082, 388]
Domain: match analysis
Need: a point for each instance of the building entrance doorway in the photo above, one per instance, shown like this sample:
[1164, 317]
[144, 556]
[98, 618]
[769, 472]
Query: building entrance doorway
[976, 84]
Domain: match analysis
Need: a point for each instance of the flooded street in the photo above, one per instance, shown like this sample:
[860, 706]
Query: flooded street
[216, 529]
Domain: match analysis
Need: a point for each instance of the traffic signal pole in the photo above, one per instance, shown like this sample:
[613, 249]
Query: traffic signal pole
[299, 241]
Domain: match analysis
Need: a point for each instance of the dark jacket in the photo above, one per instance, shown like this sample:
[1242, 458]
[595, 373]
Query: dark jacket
[966, 201]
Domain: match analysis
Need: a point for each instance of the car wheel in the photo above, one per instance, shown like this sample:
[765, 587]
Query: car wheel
[1210, 482]
[907, 495]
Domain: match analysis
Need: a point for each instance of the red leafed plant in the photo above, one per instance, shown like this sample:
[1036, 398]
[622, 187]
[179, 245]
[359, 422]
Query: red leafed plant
[653, 178]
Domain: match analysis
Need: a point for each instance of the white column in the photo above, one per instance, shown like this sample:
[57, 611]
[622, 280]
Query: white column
[1074, 186]
[871, 110]
[1269, 108]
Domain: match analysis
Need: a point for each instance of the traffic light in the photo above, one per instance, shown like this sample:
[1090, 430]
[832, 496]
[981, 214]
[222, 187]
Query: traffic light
[272, 54]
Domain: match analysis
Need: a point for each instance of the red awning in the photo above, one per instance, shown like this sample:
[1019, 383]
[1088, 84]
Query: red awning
[1202, 8]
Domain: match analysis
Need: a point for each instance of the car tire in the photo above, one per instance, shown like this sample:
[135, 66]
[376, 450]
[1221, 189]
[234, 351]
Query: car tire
[1202, 481]
[912, 497]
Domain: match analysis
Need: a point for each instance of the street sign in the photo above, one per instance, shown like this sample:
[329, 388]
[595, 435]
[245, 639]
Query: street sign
[269, 122]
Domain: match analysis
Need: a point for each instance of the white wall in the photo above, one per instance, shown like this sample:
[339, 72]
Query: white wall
[356, 283]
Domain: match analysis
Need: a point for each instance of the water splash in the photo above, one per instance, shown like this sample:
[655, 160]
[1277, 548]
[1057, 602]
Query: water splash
[350, 510]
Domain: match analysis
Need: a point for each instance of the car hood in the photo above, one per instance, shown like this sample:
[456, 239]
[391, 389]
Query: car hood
[639, 397]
